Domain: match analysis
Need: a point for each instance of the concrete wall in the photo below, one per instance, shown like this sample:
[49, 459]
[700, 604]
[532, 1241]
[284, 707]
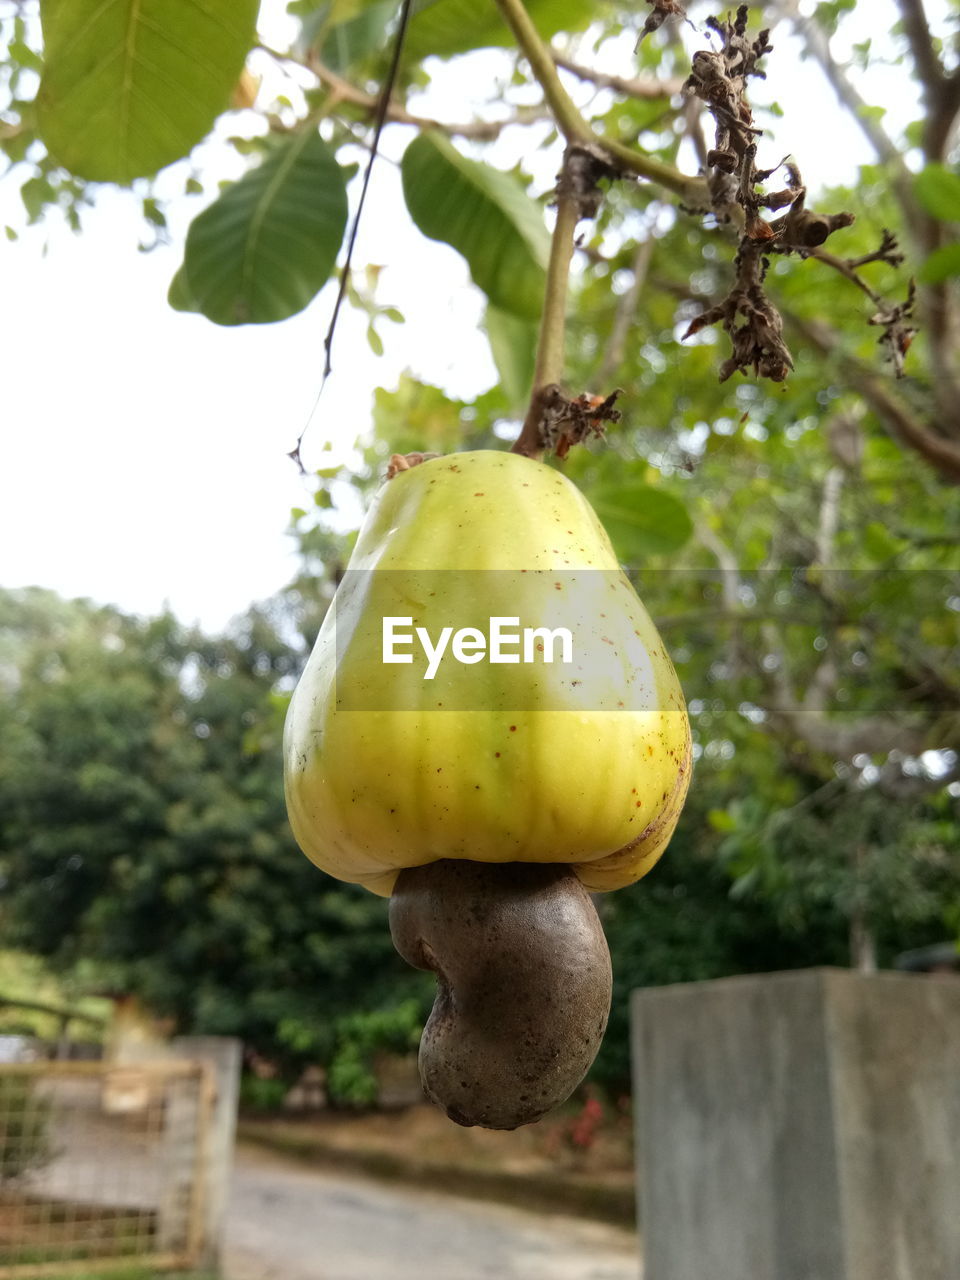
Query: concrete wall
[799, 1126]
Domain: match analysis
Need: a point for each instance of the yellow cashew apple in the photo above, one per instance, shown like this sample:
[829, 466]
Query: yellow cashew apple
[583, 762]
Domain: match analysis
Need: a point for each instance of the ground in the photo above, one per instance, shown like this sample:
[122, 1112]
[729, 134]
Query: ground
[288, 1221]
[580, 1159]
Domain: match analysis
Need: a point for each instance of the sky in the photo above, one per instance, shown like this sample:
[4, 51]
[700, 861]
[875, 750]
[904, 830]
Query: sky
[143, 451]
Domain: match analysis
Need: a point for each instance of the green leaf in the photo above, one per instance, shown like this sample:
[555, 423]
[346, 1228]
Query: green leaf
[153, 212]
[343, 36]
[513, 345]
[641, 520]
[264, 249]
[374, 341]
[448, 27]
[879, 543]
[22, 53]
[938, 190]
[722, 820]
[485, 215]
[131, 85]
[36, 194]
[941, 264]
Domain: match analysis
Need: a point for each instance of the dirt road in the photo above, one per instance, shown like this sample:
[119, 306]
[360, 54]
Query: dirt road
[289, 1222]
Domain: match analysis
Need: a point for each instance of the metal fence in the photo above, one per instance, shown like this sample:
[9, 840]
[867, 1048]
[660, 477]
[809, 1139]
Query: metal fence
[101, 1165]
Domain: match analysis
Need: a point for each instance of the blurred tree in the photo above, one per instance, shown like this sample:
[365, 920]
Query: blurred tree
[144, 831]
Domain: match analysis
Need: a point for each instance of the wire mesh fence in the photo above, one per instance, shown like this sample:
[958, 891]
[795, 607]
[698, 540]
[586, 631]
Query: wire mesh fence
[101, 1164]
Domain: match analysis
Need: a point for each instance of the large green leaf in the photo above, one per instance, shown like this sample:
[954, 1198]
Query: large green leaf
[447, 27]
[131, 85]
[484, 214]
[641, 520]
[941, 264]
[938, 190]
[268, 244]
[513, 345]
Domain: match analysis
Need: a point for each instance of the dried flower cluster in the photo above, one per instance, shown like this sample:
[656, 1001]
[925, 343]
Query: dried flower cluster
[565, 422]
[719, 79]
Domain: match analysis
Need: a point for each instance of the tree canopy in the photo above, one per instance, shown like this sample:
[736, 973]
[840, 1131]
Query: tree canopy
[144, 830]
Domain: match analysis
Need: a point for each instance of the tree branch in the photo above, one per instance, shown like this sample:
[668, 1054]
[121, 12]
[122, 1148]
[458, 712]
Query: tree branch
[575, 129]
[941, 92]
[927, 233]
[344, 91]
[917, 29]
[729, 568]
[569, 120]
[834, 739]
[829, 516]
[629, 87]
[896, 415]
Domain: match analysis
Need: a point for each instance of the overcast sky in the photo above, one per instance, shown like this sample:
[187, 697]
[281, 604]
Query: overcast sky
[143, 451]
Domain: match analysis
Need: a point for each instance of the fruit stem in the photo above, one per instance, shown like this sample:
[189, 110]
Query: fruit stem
[619, 159]
[548, 371]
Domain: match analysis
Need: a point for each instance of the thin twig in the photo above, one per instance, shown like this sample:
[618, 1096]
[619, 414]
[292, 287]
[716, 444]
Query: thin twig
[648, 88]
[477, 130]
[380, 121]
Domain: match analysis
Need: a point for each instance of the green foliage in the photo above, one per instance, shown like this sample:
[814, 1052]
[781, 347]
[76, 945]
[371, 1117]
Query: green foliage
[136, 1273]
[262, 1094]
[940, 265]
[447, 27]
[144, 829]
[641, 519]
[938, 190]
[351, 1079]
[485, 215]
[27, 978]
[266, 247]
[129, 87]
[25, 1144]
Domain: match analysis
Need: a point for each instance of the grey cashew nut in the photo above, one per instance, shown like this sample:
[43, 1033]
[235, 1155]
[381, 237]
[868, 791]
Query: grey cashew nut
[523, 984]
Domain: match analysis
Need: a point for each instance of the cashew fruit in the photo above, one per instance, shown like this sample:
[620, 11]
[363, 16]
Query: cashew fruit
[585, 764]
[492, 780]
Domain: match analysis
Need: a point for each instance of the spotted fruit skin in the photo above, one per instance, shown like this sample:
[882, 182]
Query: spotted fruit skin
[584, 765]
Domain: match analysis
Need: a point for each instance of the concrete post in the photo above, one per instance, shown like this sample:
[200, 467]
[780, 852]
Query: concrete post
[799, 1126]
[224, 1055]
[178, 1164]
